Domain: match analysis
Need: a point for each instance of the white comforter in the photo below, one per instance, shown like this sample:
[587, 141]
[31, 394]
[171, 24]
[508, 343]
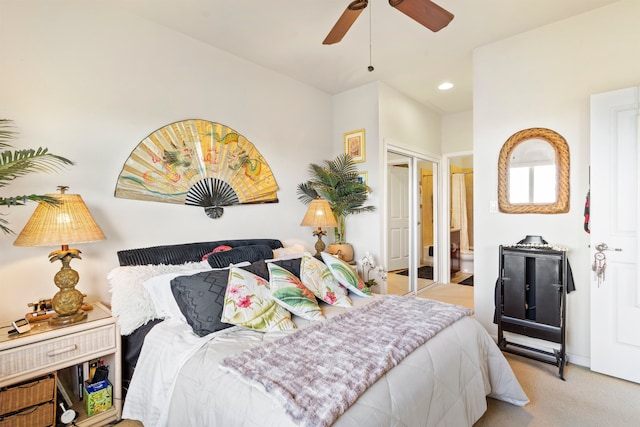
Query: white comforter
[444, 382]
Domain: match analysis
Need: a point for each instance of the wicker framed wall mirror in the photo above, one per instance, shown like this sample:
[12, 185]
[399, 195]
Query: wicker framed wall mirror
[533, 173]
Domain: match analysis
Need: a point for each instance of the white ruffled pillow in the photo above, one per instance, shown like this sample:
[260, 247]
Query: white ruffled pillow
[290, 252]
[131, 303]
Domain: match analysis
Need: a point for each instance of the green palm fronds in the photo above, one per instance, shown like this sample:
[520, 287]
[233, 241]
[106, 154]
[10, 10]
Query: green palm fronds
[17, 163]
[336, 181]
[14, 164]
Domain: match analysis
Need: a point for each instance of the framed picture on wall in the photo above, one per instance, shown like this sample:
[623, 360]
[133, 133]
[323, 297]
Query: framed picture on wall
[354, 145]
[363, 177]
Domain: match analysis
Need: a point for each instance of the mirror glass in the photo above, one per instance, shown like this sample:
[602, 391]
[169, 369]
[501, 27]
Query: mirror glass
[533, 173]
[398, 210]
[411, 242]
[426, 223]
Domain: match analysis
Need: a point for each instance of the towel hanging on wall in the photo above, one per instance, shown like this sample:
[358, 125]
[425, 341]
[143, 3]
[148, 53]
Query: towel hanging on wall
[587, 218]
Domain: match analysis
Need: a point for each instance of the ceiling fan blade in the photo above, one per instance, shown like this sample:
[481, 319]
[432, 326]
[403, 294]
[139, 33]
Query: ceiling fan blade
[345, 21]
[425, 12]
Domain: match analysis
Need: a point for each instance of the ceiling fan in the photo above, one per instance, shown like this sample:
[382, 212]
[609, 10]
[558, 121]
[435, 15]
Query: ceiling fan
[424, 12]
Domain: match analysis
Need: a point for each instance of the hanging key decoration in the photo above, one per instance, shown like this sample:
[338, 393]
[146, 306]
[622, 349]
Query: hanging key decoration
[599, 265]
[600, 260]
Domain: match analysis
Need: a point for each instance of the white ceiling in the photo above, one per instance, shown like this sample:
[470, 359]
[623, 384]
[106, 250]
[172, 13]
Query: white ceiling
[286, 36]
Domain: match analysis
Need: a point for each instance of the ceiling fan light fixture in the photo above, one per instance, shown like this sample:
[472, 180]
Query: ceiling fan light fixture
[445, 86]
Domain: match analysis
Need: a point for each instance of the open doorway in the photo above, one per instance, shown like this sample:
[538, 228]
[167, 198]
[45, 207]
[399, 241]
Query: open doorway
[461, 222]
[411, 200]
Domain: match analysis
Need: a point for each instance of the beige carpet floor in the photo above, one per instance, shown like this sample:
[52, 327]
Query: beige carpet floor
[585, 399]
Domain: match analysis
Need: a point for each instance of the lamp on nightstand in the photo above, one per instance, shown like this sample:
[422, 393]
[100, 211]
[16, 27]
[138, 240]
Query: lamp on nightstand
[319, 215]
[68, 221]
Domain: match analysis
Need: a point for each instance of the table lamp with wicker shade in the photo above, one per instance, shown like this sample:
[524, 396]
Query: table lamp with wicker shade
[68, 221]
[319, 215]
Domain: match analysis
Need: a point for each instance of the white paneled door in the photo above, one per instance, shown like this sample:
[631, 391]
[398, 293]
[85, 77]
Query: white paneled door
[398, 207]
[614, 209]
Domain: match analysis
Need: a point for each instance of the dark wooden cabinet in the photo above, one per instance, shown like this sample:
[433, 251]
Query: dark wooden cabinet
[531, 300]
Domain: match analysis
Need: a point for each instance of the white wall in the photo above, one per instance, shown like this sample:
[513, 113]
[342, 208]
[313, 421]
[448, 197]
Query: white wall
[408, 123]
[90, 83]
[457, 132]
[543, 78]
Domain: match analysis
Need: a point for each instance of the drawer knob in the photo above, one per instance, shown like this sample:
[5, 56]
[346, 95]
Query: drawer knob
[56, 352]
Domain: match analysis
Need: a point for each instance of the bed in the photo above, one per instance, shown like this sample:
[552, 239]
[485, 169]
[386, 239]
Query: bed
[357, 359]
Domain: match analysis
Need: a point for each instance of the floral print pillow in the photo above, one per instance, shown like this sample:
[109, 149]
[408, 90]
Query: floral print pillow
[345, 275]
[317, 277]
[289, 292]
[248, 303]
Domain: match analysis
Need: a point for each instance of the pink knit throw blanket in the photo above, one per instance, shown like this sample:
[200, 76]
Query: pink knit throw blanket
[319, 371]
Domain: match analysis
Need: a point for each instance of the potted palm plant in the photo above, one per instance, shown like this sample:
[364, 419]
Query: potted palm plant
[337, 182]
[17, 163]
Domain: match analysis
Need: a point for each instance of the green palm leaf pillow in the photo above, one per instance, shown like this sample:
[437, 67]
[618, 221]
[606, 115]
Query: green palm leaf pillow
[316, 276]
[290, 293]
[248, 303]
[345, 274]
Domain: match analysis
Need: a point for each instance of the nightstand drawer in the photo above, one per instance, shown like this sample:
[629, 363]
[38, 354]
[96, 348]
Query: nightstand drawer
[23, 395]
[42, 415]
[36, 356]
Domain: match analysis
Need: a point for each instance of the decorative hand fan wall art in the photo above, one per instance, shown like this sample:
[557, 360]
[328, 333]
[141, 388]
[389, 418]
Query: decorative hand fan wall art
[425, 12]
[197, 163]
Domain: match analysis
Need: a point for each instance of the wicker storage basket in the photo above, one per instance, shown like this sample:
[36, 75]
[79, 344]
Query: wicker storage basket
[23, 395]
[36, 416]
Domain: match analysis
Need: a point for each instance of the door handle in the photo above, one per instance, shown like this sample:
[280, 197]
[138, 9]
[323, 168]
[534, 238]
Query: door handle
[601, 247]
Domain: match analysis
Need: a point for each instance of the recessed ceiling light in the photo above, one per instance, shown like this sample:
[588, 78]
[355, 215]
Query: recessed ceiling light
[445, 86]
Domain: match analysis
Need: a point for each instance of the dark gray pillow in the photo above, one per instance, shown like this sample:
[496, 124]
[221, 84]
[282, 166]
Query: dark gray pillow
[259, 268]
[237, 255]
[201, 299]
[291, 265]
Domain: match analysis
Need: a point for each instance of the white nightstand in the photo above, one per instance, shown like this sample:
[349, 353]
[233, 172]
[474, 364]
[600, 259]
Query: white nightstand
[46, 349]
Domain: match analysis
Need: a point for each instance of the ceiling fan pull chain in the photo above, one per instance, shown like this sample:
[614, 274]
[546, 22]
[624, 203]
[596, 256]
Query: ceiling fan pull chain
[370, 67]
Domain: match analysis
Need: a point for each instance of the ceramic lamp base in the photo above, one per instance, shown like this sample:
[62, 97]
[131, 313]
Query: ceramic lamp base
[320, 246]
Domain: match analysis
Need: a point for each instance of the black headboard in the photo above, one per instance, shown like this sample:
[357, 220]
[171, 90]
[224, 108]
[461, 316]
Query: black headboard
[185, 252]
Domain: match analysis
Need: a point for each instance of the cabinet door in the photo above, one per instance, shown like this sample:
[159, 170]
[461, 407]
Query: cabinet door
[513, 290]
[548, 290]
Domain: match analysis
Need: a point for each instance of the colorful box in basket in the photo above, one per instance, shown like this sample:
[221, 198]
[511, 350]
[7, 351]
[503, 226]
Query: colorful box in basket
[97, 397]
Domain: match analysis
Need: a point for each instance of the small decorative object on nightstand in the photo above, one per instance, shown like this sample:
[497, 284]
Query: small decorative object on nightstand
[67, 222]
[319, 215]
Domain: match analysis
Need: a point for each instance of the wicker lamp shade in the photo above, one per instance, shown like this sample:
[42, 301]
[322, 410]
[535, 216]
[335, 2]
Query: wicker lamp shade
[68, 222]
[319, 214]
